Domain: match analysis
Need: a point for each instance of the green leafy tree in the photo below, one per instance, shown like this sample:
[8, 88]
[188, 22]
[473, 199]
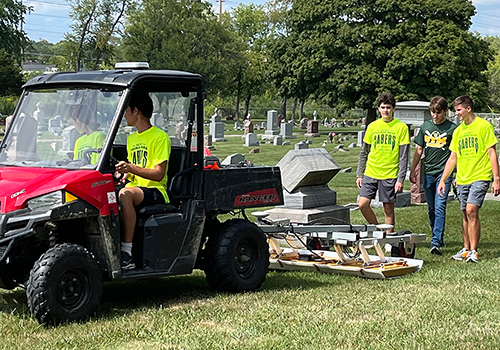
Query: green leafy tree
[352, 50]
[12, 39]
[184, 35]
[95, 28]
[494, 74]
[279, 49]
[250, 24]
[12, 78]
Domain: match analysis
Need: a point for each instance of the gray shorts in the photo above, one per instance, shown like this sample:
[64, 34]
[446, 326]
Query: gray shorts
[385, 188]
[473, 193]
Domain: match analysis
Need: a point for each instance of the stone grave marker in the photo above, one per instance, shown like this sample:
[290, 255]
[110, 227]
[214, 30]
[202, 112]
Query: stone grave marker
[287, 131]
[235, 158]
[251, 140]
[312, 129]
[307, 198]
[278, 140]
[272, 125]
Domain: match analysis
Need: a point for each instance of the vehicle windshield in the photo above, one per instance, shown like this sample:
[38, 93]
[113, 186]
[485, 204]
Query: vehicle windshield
[170, 114]
[59, 128]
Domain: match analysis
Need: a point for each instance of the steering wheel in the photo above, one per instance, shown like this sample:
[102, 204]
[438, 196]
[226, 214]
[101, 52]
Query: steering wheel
[87, 154]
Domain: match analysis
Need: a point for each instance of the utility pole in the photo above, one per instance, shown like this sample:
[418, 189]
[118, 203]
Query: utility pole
[220, 10]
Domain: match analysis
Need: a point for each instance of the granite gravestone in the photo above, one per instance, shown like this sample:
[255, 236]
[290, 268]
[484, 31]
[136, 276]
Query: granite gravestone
[272, 125]
[312, 129]
[307, 198]
[217, 129]
[251, 140]
[287, 131]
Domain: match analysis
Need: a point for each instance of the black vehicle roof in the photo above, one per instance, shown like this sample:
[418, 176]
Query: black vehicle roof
[122, 77]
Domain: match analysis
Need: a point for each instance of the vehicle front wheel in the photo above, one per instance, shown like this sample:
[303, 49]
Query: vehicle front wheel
[65, 284]
[237, 257]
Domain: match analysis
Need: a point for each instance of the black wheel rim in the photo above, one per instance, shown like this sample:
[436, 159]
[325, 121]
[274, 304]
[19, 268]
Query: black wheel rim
[245, 259]
[73, 290]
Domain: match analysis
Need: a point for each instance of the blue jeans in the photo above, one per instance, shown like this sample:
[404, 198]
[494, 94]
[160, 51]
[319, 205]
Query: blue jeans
[436, 206]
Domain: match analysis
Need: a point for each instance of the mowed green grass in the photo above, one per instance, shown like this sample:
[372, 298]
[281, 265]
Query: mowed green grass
[448, 305]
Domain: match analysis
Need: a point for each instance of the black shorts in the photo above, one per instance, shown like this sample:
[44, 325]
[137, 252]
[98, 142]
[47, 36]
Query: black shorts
[151, 196]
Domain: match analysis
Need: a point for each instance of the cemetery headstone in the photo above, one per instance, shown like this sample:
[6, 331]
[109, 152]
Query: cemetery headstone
[272, 125]
[303, 123]
[312, 129]
[301, 145]
[287, 131]
[307, 197]
[217, 129]
[235, 158]
[278, 140]
[251, 140]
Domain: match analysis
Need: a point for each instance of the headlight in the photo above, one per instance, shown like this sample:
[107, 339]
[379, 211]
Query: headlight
[50, 200]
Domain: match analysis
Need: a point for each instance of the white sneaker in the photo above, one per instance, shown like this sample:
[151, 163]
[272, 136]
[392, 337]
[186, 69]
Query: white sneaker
[472, 257]
[461, 254]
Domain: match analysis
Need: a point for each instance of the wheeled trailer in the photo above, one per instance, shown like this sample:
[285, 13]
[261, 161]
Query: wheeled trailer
[350, 243]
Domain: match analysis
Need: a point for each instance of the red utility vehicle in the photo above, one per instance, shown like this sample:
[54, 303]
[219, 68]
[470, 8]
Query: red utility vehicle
[59, 216]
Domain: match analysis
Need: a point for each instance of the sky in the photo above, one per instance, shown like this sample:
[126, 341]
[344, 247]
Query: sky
[49, 19]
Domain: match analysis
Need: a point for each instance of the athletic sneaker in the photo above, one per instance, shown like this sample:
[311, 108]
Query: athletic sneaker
[461, 254]
[127, 261]
[472, 257]
[436, 251]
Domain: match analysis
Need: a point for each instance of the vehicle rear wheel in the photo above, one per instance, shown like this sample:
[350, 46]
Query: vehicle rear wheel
[403, 249]
[237, 257]
[65, 284]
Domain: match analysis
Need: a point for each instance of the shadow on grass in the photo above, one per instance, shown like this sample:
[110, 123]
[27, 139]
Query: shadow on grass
[14, 302]
[124, 297]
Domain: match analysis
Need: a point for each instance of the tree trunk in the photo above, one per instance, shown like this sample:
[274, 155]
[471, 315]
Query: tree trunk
[82, 38]
[371, 115]
[238, 97]
[282, 112]
[294, 108]
[247, 105]
[301, 110]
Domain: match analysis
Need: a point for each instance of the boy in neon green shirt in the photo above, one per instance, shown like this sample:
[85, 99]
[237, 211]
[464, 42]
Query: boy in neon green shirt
[148, 151]
[473, 152]
[92, 138]
[385, 154]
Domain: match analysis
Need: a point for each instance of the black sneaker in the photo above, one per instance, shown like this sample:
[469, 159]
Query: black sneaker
[127, 261]
[436, 251]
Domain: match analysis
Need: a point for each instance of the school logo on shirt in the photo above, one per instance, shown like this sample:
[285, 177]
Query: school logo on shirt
[435, 139]
[468, 144]
[140, 155]
[384, 138]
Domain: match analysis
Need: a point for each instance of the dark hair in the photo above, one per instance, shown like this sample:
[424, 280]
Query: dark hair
[465, 101]
[143, 102]
[438, 104]
[83, 114]
[387, 98]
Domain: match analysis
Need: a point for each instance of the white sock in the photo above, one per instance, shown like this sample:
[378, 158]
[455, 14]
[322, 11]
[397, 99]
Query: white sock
[126, 247]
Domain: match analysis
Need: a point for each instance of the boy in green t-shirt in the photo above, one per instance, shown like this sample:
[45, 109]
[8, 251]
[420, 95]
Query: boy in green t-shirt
[148, 151]
[385, 155]
[433, 141]
[85, 123]
[473, 152]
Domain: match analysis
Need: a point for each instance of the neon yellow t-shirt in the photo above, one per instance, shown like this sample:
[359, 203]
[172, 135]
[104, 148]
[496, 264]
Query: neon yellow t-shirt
[471, 143]
[85, 142]
[385, 139]
[147, 149]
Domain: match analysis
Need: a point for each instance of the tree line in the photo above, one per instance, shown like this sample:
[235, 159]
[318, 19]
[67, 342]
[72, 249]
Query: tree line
[341, 53]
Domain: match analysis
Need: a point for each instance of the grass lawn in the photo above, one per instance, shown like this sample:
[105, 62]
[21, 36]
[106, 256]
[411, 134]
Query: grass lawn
[448, 305]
